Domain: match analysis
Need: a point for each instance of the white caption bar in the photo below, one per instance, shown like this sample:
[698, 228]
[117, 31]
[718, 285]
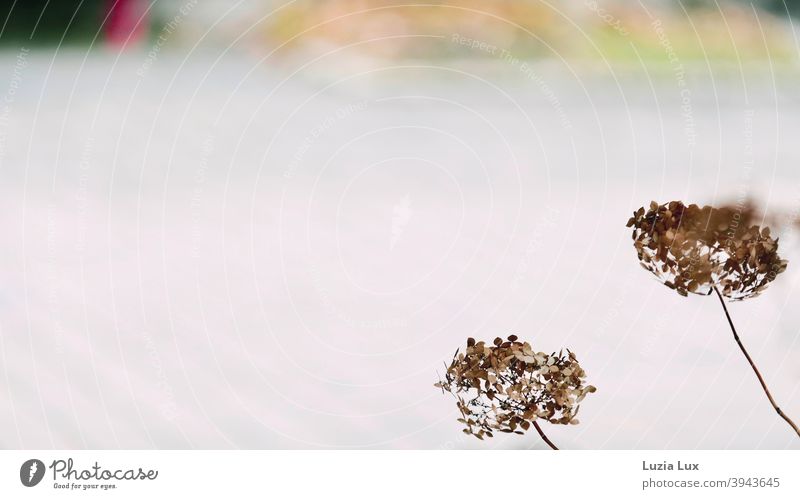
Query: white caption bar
[401, 474]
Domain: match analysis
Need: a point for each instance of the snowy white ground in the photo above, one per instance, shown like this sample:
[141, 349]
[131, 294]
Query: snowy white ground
[228, 253]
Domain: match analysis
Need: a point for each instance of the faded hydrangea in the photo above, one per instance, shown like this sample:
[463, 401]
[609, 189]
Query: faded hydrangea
[693, 249]
[508, 386]
[710, 250]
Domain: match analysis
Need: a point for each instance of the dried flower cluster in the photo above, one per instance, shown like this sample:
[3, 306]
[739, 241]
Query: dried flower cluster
[508, 386]
[693, 249]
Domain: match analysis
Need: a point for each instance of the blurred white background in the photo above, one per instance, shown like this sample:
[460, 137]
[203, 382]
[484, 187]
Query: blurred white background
[231, 245]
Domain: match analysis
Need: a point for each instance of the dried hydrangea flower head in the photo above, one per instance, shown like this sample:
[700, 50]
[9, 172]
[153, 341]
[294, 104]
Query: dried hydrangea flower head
[705, 250]
[507, 387]
[693, 249]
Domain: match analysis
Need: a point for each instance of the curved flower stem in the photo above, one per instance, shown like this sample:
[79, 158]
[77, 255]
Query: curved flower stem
[544, 437]
[755, 369]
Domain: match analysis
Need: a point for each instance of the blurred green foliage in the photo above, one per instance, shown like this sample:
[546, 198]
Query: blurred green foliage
[665, 32]
[783, 6]
[36, 22]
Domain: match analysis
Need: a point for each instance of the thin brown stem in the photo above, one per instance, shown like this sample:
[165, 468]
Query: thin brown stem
[544, 437]
[755, 369]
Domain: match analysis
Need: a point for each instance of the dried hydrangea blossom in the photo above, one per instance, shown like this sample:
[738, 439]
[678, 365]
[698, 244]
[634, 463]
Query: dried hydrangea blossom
[694, 250]
[705, 250]
[508, 387]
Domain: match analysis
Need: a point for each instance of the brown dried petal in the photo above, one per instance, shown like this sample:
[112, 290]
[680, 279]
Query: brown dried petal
[692, 249]
[507, 386]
